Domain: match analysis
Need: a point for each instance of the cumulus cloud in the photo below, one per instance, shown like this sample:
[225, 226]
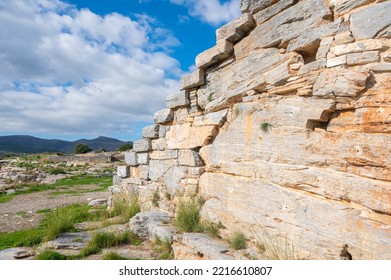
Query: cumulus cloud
[65, 70]
[214, 12]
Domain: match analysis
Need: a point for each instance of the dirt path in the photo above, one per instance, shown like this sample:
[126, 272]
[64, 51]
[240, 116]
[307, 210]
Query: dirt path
[20, 212]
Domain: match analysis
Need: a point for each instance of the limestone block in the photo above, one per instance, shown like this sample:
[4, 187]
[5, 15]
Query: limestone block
[199, 246]
[143, 158]
[157, 168]
[260, 68]
[189, 158]
[368, 22]
[382, 67]
[288, 24]
[340, 82]
[134, 172]
[143, 145]
[178, 100]
[158, 144]
[222, 50]
[343, 38]
[151, 224]
[151, 131]
[344, 6]
[144, 172]
[173, 177]
[193, 80]
[131, 158]
[336, 61]
[313, 66]
[361, 46]
[324, 47]
[163, 116]
[217, 118]
[362, 58]
[115, 190]
[264, 15]
[162, 131]
[185, 136]
[196, 171]
[134, 181]
[164, 155]
[236, 30]
[181, 115]
[308, 40]
[254, 6]
[123, 171]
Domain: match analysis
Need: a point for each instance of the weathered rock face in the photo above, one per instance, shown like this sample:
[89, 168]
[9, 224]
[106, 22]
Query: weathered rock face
[284, 129]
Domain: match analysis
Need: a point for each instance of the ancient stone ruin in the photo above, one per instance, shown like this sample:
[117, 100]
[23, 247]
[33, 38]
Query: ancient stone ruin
[284, 128]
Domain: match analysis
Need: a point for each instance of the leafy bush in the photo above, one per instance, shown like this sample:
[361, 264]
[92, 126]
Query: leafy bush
[81, 149]
[57, 171]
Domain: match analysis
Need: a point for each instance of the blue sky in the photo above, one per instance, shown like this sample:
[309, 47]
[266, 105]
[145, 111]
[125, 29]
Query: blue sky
[80, 68]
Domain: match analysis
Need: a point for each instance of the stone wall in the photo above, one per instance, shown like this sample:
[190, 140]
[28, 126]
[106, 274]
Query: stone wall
[283, 129]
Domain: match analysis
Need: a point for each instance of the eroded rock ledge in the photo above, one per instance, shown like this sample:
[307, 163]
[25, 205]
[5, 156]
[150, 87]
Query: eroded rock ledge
[285, 126]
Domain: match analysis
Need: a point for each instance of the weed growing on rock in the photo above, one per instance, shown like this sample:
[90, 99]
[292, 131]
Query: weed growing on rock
[188, 216]
[238, 241]
[164, 248]
[266, 127]
[155, 199]
[126, 209]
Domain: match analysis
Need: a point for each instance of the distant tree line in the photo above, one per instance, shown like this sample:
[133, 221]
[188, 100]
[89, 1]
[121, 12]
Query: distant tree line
[83, 148]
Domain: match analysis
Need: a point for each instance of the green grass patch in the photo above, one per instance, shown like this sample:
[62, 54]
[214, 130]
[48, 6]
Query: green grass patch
[51, 255]
[102, 240]
[114, 257]
[238, 241]
[102, 184]
[164, 248]
[126, 209]
[22, 238]
[188, 216]
[64, 219]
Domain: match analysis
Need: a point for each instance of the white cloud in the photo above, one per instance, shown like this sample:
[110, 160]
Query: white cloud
[214, 12]
[65, 70]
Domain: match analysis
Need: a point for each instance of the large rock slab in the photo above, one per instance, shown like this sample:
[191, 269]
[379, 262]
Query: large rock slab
[217, 118]
[369, 22]
[152, 224]
[163, 116]
[199, 246]
[260, 68]
[143, 145]
[340, 83]
[288, 24]
[321, 225]
[185, 136]
[131, 159]
[151, 131]
[236, 30]
[178, 100]
[254, 6]
[222, 50]
[192, 80]
[16, 253]
[264, 15]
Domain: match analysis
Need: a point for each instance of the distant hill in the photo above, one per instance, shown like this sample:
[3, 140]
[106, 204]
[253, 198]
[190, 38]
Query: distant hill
[29, 144]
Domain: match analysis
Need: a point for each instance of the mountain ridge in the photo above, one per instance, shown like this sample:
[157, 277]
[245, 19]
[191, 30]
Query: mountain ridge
[31, 144]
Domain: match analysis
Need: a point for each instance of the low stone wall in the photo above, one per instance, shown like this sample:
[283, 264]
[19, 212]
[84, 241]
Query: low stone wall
[283, 129]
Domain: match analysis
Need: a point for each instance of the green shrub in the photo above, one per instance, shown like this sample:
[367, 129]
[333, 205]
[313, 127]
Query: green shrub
[51, 255]
[57, 171]
[125, 147]
[188, 216]
[266, 127]
[126, 209]
[238, 241]
[81, 149]
[164, 248]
